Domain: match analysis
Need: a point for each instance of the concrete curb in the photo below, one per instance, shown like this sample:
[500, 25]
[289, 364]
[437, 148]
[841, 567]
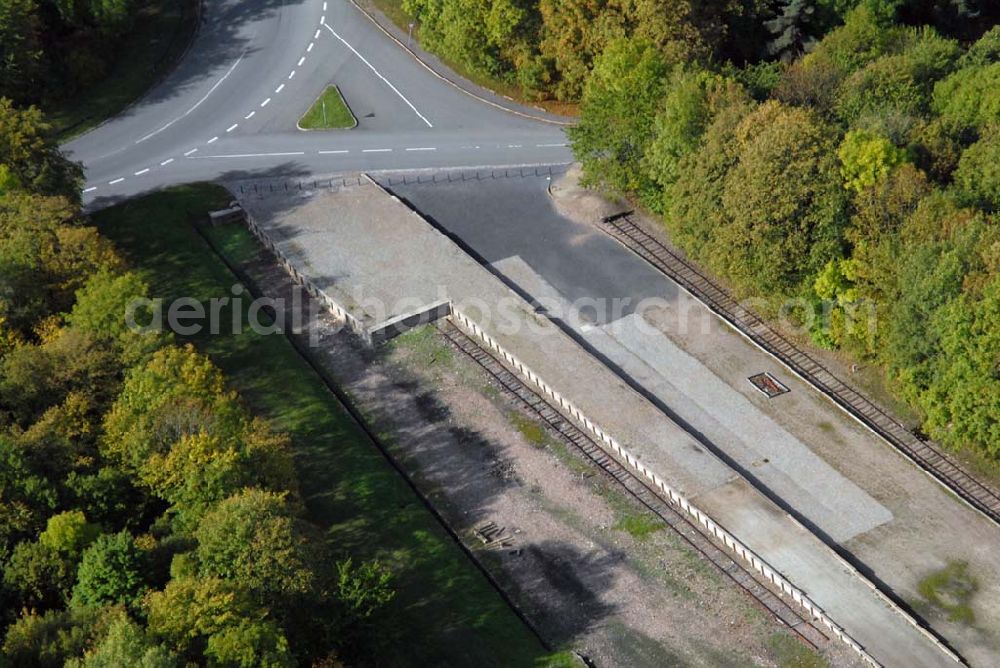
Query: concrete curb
[450, 82]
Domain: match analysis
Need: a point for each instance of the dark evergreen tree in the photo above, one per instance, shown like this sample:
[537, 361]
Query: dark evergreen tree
[792, 29]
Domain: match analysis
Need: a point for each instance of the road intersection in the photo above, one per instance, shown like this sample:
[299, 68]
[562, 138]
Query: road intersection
[230, 108]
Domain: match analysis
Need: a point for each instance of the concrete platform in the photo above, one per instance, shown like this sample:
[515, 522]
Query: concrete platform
[383, 260]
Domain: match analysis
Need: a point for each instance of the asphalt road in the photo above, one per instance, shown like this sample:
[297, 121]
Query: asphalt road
[229, 109]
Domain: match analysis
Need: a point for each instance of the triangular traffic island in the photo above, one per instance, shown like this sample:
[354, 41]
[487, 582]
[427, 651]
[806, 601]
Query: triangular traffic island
[328, 112]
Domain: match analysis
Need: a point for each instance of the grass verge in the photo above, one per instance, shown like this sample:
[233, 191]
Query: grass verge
[791, 653]
[158, 38]
[447, 614]
[639, 525]
[329, 112]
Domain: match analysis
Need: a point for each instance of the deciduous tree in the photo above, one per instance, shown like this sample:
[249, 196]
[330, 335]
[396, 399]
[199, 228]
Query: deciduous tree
[109, 572]
[622, 97]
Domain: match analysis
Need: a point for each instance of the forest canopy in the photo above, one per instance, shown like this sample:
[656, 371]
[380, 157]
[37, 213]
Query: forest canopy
[547, 48]
[53, 49]
[856, 186]
[147, 516]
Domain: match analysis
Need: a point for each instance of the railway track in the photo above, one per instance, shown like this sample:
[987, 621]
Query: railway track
[923, 453]
[576, 438]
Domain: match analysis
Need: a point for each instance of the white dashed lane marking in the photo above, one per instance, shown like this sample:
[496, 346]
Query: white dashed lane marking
[232, 127]
[324, 6]
[422, 148]
[332, 152]
[265, 102]
[213, 140]
[142, 171]
[376, 150]
[279, 89]
[291, 75]
[301, 60]
[318, 33]
[310, 47]
[115, 181]
[90, 189]
[166, 162]
[194, 150]
[549, 145]
[249, 116]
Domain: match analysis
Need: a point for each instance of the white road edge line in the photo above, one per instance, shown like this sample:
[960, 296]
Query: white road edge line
[372, 68]
[166, 162]
[279, 89]
[196, 104]
[213, 140]
[423, 148]
[265, 102]
[142, 171]
[249, 116]
[376, 150]
[90, 189]
[194, 150]
[332, 152]
[115, 181]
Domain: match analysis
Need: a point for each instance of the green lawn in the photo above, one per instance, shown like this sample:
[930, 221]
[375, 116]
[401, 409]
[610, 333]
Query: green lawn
[328, 112]
[448, 613]
[159, 36]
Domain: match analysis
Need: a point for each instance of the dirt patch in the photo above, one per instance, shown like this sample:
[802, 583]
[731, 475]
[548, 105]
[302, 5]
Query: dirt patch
[579, 203]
